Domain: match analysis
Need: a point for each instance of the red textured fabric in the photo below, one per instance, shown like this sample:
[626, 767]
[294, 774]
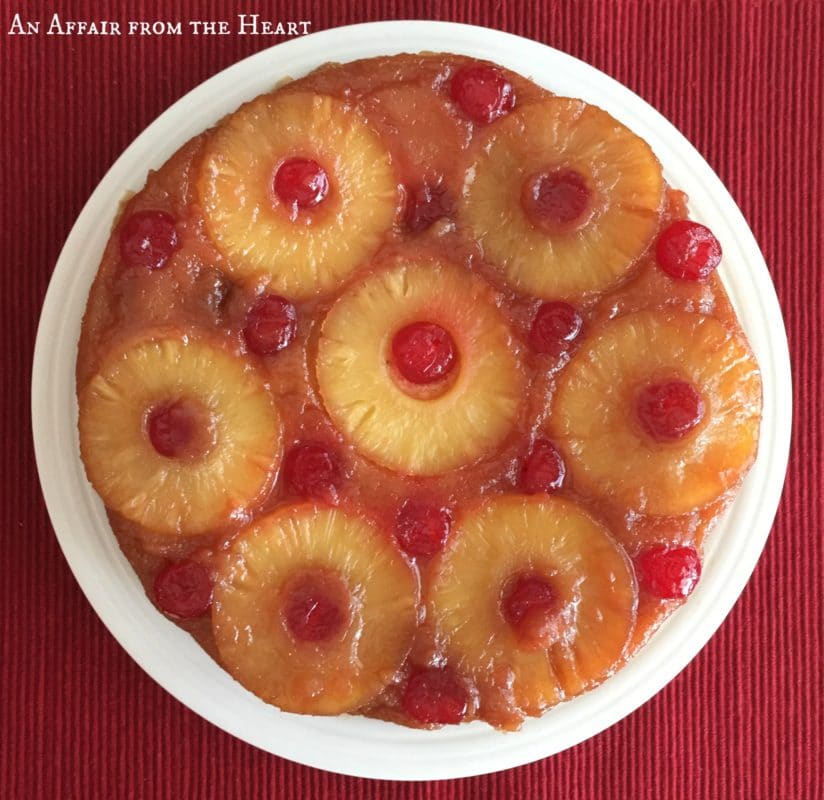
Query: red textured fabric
[743, 80]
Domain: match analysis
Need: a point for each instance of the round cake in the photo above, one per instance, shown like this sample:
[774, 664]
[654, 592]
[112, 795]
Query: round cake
[412, 391]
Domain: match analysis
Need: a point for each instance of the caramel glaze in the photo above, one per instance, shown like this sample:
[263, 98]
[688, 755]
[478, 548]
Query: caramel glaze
[405, 98]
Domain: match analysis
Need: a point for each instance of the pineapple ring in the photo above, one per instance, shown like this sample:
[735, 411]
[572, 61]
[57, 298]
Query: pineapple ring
[305, 677]
[513, 533]
[312, 252]
[619, 168]
[180, 497]
[394, 427]
[593, 417]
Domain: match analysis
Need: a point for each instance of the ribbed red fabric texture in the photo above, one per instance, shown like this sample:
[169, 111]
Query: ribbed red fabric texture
[744, 80]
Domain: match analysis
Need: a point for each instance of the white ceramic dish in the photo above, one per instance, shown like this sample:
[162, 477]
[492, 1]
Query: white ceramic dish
[355, 745]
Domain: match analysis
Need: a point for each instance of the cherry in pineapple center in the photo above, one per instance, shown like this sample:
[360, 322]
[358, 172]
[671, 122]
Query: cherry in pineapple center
[669, 411]
[424, 352]
[558, 199]
[533, 607]
[301, 183]
[180, 429]
[316, 606]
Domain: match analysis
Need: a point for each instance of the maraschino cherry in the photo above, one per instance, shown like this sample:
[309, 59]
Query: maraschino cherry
[531, 605]
[482, 93]
[421, 529]
[179, 429]
[424, 352]
[560, 199]
[313, 471]
[687, 250]
[301, 183]
[669, 573]
[555, 328]
[148, 239]
[271, 324]
[543, 469]
[184, 589]
[669, 411]
[312, 610]
[435, 696]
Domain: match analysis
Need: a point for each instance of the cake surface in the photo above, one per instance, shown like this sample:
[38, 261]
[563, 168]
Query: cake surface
[412, 391]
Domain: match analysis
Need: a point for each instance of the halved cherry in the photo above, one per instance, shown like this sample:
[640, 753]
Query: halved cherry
[424, 352]
[669, 573]
[301, 183]
[558, 198]
[669, 411]
[555, 327]
[316, 606]
[532, 606]
[180, 429]
[543, 469]
[313, 471]
[270, 325]
[148, 239]
[422, 529]
[435, 696]
[482, 93]
[687, 250]
[184, 589]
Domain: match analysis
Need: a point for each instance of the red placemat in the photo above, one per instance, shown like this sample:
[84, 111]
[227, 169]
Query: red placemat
[744, 81]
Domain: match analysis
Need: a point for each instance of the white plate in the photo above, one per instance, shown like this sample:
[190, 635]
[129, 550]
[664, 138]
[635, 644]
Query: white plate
[354, 745]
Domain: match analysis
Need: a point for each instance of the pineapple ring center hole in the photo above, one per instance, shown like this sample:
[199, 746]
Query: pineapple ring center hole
[423, 359]
[181, 429]
[300, 183]
[534, 606]
[668, 411]
[558, 200]
[316, 606]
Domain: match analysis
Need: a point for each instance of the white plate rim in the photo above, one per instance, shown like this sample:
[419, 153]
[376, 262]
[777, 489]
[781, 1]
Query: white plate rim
[352, 745]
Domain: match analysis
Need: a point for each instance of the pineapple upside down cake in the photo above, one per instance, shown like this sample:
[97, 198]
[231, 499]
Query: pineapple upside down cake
[412, 392]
